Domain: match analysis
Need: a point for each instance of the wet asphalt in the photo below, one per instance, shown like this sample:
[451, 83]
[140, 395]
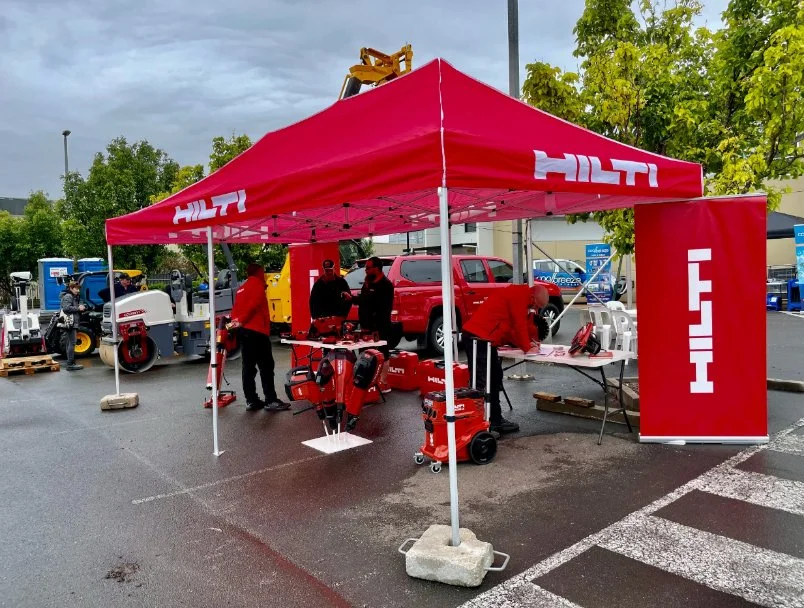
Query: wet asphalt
[131, 507]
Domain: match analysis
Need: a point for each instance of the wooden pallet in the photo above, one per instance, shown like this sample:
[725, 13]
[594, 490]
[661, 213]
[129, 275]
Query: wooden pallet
[28, 365]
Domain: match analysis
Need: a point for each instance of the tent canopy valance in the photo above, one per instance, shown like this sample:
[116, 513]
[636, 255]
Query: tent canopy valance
[371, 165]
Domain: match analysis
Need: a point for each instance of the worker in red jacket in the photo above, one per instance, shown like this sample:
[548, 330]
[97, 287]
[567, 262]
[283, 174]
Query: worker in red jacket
[250, 314]
[508, 317]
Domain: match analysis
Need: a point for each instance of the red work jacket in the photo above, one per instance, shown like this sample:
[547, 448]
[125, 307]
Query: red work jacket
[251, 306]
[503, 318]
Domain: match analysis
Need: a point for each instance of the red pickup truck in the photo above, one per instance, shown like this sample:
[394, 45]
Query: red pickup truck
[417, 292]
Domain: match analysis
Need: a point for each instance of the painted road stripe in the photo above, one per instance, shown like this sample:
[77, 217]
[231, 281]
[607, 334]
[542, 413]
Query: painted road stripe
[778, 464]
[506, 593]
[761, 576]
[611, 579]
[771, 529]
[792, 444]
[756, 488]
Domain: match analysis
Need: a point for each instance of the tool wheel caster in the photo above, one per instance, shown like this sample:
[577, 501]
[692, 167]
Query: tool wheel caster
[435, 467]
[483, 448]
[418, 458]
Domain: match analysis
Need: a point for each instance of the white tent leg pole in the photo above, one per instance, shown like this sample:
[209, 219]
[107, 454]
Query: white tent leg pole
[212, 330]
[448, 297]
[114, 321]
[628, 282]
[453, 313]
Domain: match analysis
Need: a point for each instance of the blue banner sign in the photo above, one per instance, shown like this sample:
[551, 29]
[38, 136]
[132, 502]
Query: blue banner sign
[597, 256]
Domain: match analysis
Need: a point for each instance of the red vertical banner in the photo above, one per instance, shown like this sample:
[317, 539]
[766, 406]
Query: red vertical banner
[702, 346]
[305, 269]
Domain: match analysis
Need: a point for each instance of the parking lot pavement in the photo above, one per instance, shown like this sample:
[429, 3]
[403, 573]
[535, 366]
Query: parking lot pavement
[131, 508]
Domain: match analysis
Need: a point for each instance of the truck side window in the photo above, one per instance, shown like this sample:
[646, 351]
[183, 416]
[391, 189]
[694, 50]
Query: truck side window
[501, 271]
[474, 271]
[421, 271]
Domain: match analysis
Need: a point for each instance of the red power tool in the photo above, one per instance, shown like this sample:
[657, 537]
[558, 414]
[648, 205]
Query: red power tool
[218, 361]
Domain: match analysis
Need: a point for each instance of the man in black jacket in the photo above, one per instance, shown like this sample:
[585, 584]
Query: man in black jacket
[326, 297]
[376, 300]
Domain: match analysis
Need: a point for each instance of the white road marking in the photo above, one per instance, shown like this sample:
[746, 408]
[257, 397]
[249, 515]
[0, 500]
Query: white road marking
[212, 484]
[758, 575]
[510, 593]
[791, 444]
[756, 488]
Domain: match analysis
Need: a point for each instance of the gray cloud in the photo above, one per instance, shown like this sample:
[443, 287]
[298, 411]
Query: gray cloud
[178, 73]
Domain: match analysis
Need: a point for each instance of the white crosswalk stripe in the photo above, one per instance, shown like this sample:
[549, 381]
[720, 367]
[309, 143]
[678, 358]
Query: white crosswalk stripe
[759, 575]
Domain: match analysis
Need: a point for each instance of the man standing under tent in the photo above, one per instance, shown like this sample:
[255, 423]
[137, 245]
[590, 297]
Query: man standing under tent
[250, 314]
[509, 316]
[376, 300]
[326, 299]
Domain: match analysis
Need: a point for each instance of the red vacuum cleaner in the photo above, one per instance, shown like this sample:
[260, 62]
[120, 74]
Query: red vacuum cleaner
[585, 341]
[473, 441]
[219, 359]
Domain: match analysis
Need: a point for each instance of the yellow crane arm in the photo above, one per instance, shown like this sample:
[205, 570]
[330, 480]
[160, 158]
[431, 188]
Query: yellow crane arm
[376, 68]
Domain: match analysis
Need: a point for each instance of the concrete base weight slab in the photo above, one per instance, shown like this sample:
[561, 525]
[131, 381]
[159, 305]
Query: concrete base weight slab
[120, 402]
[433, 559]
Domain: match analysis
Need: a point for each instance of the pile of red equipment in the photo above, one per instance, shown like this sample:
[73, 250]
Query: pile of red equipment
[342, 383]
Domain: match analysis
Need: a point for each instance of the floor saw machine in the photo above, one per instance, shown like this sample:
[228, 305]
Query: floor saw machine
[223, 343]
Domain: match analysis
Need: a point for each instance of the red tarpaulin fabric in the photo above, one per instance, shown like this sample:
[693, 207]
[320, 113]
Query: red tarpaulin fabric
[371, 165]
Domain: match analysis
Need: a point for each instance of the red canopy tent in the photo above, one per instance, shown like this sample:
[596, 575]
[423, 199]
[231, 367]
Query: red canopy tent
[371, 164]
[432, 148]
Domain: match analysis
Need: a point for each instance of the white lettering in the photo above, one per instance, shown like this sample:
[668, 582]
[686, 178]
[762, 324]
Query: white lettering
[567, 166]
[584, 168]
[701, 334]
[435, 380]
[198, 210]
[630, 168]
[396, 370]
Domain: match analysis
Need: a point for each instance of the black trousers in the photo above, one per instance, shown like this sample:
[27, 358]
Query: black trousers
[257, 354]
[70, 335]
[495, 411]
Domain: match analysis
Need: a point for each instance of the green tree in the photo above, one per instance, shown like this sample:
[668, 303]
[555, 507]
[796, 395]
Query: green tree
[120, 181]
[730, 100]
[224, 150]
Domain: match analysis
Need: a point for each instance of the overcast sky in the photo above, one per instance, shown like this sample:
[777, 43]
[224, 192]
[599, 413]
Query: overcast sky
[178, 73]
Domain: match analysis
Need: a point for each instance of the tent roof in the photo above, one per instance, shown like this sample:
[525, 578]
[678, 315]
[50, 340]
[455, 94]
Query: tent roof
[371, 165]
[780, 225]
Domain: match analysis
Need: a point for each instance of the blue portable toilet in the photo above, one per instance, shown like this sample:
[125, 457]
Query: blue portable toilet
[49, 289]
[793, 295]
[91, 264]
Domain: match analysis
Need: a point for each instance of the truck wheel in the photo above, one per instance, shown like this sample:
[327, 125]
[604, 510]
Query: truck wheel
[550, 312]
[85, 341]
[435, 335]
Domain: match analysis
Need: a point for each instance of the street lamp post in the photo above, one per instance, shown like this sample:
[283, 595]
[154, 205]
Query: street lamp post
[513, 91]
[66, 132]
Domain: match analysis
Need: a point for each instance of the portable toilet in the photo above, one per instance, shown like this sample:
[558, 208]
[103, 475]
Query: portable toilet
[91, 264]
[49, 289]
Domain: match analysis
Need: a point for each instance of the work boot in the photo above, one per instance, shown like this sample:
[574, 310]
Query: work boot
[504, 426]
[275, 405]
[253, 406]
[73, 367]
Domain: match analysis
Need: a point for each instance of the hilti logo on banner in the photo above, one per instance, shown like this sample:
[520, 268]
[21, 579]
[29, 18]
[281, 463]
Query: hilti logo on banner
[582, 168]
[198, 210]
[701, 333]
